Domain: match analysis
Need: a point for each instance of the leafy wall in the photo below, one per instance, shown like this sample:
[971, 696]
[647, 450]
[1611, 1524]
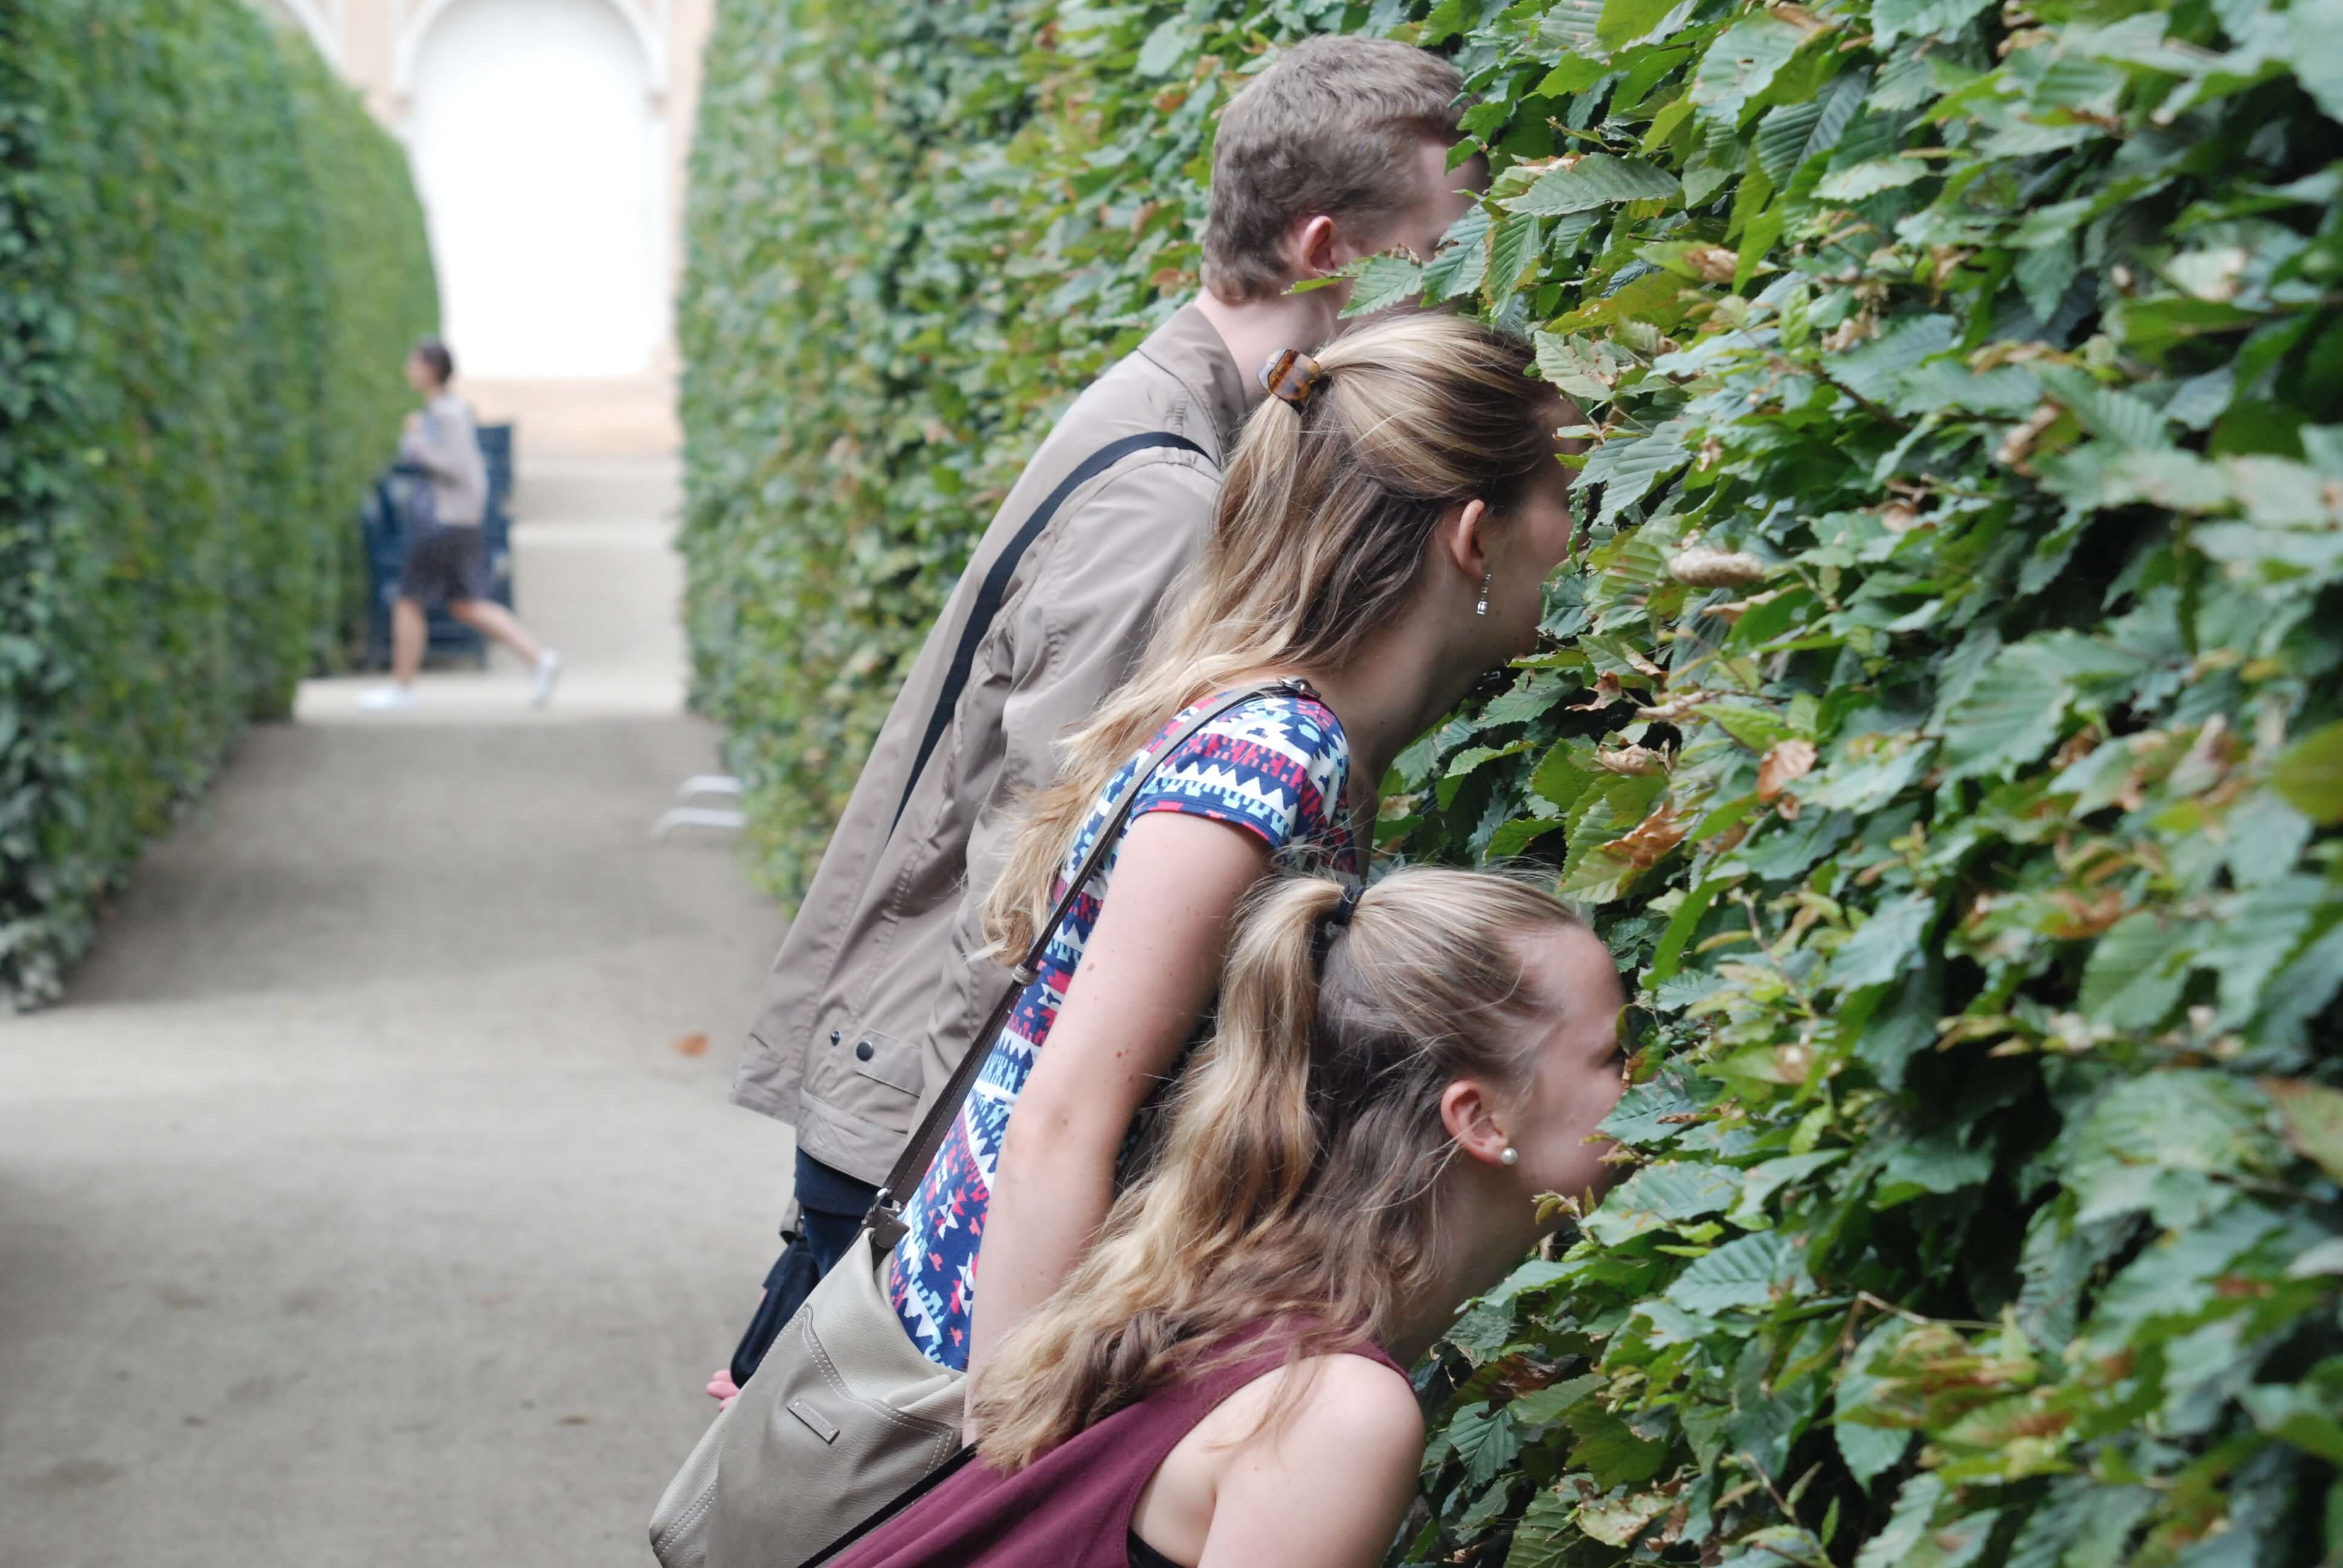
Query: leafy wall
[214, 263]
[375, 293]
[871, 348]
[1945, 725]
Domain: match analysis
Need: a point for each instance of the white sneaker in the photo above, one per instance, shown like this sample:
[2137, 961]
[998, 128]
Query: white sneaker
[548, 671]
[387, 700]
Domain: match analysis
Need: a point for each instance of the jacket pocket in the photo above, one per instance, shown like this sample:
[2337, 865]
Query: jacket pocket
[884, 1060]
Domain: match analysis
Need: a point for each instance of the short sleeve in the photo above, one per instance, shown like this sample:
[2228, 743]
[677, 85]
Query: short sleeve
[1276, 766]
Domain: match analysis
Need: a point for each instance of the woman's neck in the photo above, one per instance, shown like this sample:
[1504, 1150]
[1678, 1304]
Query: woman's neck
[1394, 689]
[1480, 1239]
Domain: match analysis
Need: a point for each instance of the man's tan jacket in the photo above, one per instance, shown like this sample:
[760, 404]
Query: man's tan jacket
[874, 999]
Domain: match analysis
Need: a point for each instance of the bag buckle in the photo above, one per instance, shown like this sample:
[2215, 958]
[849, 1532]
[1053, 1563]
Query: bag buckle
[885, 1222]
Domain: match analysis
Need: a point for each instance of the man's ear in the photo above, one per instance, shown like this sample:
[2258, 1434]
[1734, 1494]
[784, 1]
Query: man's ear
[1315, 249]
[1470, 1117]
[1463, 538]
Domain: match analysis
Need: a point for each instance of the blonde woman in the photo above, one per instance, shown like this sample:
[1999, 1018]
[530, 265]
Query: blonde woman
[1396, 1077]
[1383, 537]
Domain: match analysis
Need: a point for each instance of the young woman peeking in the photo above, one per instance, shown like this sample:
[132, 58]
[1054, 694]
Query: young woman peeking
[1384, 536]
[1396, 1076]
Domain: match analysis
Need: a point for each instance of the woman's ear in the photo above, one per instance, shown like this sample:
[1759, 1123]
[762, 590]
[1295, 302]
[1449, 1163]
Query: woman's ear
[1470, 1117]
[1464, 537]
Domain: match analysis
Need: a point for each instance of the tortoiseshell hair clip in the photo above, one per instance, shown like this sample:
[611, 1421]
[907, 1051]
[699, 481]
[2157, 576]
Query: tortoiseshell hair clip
[1292, 375]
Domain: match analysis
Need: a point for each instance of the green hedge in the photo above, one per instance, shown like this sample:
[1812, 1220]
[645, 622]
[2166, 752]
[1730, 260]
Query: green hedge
[374, 294]
[861, 383]
[213, 261]
[1944, 725]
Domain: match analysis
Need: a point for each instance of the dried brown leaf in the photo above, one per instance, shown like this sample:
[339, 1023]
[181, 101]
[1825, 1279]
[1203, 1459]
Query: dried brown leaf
[1606, 690]
[1788, 760]
[1636, 759]
[2019, 443]
[1653, 837]
[1713, 263]
[1715, 569]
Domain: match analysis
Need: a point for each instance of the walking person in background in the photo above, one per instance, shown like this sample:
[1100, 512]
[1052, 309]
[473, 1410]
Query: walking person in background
[1396, 1077]
[1337, 151]
[446, 563]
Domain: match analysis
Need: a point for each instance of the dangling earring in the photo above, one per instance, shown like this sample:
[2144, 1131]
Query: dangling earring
[1482, 608]
[1511, 1156]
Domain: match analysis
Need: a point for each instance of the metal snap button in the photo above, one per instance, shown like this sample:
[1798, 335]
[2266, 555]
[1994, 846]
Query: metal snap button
[833, 1036]
[863, 1052]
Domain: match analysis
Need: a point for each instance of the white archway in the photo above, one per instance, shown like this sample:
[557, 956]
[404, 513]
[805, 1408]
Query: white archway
[304, 14]
[410, 41]
[535, 132]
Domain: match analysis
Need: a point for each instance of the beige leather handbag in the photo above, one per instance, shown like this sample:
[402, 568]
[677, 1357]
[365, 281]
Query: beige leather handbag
[845, 1415]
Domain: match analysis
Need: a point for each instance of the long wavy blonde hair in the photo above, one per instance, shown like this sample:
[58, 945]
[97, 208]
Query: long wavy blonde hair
[1298, 1176]
[1322, 532]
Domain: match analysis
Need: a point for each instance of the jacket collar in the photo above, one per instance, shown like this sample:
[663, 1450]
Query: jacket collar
[1188, 349]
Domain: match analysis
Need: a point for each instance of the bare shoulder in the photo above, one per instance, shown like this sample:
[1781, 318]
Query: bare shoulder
[1343, 1403]
[1326, 1485]
[1368, 1407]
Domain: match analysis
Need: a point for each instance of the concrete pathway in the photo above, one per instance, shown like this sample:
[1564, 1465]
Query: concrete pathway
[371, 1199]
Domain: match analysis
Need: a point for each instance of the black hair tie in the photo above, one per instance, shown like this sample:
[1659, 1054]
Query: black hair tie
[1335, 922]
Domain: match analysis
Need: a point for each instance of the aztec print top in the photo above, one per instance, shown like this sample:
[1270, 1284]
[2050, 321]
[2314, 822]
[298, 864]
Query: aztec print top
[1278, 766]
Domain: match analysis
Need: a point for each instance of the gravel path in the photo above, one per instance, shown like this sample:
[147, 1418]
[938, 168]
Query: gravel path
[365, 1203]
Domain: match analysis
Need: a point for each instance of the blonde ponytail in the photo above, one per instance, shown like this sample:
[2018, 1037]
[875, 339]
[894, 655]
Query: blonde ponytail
[1296, 1180]
[1323, 522]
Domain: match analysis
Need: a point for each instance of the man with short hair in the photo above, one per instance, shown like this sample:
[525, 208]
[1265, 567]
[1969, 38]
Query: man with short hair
[445, 562]
[1337, 151]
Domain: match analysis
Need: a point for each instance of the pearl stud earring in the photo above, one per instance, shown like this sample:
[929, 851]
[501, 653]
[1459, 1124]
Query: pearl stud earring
[1511, 1156]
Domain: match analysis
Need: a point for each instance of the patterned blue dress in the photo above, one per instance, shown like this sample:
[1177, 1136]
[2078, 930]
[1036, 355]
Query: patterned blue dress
[1277, 767]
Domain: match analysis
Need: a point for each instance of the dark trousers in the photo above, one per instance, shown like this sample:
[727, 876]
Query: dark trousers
[830, 1207]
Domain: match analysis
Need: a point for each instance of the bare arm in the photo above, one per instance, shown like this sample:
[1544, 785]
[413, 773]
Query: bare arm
[1328, 1487]
[1151, 965]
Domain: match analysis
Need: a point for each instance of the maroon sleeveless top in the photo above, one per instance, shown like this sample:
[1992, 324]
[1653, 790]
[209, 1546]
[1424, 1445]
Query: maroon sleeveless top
[1071, 1507]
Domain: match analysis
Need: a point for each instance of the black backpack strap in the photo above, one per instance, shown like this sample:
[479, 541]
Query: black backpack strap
[995, 588]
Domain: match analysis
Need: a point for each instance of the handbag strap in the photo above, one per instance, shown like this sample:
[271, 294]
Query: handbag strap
[887, 1510]
[885, 1218]
[995, 588]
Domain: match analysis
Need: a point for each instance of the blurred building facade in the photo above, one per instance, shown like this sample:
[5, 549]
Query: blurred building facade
[549, 140]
